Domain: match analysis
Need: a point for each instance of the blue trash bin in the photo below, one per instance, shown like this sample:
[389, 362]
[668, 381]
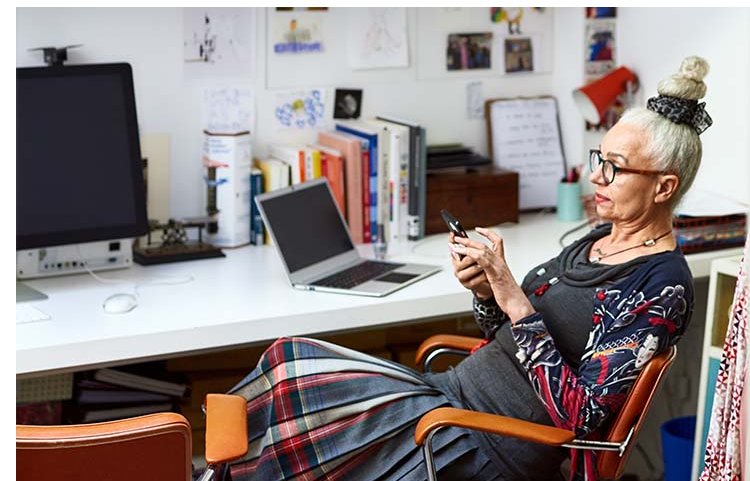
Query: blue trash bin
[677, 441]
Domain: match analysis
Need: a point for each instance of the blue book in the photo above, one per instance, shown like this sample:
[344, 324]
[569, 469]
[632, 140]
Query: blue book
[256, 221]
[371, 136]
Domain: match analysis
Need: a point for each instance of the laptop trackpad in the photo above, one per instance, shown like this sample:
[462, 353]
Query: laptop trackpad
[396, 277]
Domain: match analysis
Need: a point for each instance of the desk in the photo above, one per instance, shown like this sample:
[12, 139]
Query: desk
[246, 298]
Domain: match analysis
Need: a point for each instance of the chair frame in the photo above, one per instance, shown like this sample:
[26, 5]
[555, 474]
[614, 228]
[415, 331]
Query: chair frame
[226, 433]
[647, 382]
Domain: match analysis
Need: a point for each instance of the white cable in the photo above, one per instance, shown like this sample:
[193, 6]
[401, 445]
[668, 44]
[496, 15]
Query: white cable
[169, 281]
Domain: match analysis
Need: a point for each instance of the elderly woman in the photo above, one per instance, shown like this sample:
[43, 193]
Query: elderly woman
[562, 348]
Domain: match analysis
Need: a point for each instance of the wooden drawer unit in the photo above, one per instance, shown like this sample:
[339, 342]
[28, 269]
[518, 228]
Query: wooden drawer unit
[478, 197]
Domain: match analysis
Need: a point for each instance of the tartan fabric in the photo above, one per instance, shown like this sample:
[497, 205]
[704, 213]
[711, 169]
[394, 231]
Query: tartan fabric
[321, 411]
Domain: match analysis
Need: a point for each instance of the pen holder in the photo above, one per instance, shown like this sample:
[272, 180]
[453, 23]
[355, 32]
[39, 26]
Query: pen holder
[569, 205]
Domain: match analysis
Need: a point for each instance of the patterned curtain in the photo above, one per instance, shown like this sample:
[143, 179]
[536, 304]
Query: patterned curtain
[724, 446]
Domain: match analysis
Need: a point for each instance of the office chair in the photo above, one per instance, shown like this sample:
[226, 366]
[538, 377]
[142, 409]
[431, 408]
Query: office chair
[151, 447]
[617, 438]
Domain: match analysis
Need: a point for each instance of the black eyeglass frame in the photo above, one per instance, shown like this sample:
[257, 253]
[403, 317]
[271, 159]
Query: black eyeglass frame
[596, 153]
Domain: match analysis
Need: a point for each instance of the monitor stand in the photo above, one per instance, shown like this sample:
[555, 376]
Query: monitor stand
[25, 293]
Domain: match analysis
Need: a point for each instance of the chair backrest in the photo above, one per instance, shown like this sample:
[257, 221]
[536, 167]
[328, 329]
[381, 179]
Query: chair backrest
[609, 463]
[156, 446]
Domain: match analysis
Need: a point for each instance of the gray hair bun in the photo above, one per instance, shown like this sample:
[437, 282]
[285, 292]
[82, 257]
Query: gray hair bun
[688, 82]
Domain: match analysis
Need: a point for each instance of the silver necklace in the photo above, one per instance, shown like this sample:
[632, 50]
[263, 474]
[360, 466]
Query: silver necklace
[646, 243]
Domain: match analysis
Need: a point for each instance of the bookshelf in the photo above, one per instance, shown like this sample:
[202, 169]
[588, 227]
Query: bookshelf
[722, 280]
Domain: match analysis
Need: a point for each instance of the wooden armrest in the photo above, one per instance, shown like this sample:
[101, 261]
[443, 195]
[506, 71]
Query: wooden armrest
[491, 423]
[462, 343]
[226, 428]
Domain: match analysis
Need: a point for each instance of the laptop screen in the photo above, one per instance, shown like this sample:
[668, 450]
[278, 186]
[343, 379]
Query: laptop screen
[307, 226]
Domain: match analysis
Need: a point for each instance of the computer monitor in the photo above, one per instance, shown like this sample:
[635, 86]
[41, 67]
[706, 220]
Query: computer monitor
[80, 193]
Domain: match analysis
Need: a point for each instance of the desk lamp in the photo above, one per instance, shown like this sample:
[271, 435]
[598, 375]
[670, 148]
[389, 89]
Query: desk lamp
[595, 98]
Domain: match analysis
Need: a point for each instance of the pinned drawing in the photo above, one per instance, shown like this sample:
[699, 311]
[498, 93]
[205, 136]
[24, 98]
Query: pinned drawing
[512, 15]
[297, 32]
[300, 109]
[377, 38]
[218, 41]
[228, 110]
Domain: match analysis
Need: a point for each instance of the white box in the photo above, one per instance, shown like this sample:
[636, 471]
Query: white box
[231, 154]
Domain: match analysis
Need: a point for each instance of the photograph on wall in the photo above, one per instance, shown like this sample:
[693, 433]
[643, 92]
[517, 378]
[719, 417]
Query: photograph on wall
[347, 104]
[218, 41]
[519, 56]
[469, 51]
[296, 32]
[300, 109]
[600, 47]
[377, 38]
[601, 12]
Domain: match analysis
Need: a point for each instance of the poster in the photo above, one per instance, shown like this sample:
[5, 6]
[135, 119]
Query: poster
[300, 109]
[377, 38]
[297, 31]
[228, 110]
[218, 42]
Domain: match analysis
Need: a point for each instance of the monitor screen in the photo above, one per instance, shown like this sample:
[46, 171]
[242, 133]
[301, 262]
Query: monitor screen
[304, 238]
[78, 160]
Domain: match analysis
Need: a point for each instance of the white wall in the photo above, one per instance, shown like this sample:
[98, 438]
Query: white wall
[651, 42]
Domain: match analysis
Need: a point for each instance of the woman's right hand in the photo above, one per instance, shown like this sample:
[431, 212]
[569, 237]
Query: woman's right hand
[470, 275]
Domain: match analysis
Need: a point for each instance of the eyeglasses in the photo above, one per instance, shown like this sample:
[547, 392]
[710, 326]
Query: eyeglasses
[609, 169]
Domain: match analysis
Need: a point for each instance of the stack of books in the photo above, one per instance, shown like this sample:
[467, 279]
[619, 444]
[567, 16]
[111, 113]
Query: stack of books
[108, 394]
[446, 156]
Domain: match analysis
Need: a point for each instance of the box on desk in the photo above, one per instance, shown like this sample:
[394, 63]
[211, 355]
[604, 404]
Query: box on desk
[228, 159]
[478, 197]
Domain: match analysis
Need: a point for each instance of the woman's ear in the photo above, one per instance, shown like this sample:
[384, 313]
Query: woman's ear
[666, 187]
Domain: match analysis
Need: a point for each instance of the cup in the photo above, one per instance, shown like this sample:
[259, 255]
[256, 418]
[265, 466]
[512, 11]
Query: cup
[569, 205]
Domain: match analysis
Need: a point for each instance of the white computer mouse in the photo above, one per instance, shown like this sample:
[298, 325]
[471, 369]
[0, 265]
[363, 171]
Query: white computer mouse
[119, 303]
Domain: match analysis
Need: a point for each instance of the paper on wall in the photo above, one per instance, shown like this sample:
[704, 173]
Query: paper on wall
[228, 110]
[475, 100]
[218, 42]
[377, 38]
[300, 109]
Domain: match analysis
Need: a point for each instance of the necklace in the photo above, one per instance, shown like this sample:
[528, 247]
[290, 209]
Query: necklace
[554, 280]
[647, 243]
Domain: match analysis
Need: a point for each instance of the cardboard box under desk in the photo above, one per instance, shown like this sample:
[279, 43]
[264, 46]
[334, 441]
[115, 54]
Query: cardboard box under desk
[478, 197]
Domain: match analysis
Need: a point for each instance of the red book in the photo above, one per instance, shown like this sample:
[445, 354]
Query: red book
[350, 148]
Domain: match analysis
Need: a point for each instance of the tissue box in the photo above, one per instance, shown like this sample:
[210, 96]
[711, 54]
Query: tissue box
[227, 159]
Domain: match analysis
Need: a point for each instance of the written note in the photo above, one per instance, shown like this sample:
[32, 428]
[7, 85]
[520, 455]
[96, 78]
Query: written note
[228, 110]
[526, 138]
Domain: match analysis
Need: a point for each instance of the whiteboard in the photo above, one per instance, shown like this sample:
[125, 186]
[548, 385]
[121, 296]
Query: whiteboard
[524, 136]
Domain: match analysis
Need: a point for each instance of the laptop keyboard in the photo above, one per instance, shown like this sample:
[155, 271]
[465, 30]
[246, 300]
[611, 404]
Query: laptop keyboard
[356, 275]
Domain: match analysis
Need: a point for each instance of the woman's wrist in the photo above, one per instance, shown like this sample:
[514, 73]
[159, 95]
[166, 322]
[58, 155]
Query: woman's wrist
[518, 309]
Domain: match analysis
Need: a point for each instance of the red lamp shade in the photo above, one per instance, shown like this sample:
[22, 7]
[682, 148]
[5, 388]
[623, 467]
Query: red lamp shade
[595, 98]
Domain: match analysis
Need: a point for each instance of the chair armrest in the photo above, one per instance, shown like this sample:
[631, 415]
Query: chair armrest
[490, 423]
[461, 343]
[226, 428]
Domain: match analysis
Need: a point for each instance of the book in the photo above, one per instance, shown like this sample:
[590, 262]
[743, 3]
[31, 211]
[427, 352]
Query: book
[383, 210]
[294, 157]
[332, 168]
[119, 396]
[136, 381]
[351, 149]
[365, 132]
[256, 221]
[398, 181]
[120, 412]
[417, 175]
[276, 175]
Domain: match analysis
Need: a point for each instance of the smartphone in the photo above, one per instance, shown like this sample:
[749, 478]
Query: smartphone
[454, 225]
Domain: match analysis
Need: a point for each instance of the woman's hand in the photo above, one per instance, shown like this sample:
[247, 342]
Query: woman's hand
[470, 274]
[491, 258]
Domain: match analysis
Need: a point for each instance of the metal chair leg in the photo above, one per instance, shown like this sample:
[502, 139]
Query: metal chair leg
[428, 458]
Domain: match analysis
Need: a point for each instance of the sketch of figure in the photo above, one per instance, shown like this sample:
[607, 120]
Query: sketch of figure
[379, 40]
[208, 46]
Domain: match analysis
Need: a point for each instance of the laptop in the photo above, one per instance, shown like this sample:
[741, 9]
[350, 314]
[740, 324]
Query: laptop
[316, 247]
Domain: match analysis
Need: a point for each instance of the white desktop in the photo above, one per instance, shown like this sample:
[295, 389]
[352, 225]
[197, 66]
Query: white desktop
[246, 298]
